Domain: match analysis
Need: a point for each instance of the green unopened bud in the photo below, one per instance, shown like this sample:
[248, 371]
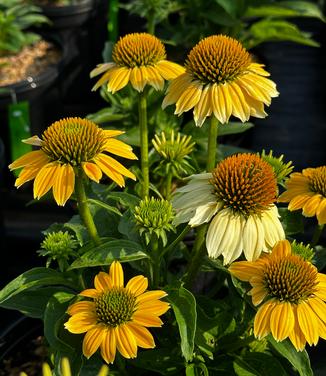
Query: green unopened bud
[281, 169]
[175, 152]
[58, 246]
[305, 251]
[154, 216]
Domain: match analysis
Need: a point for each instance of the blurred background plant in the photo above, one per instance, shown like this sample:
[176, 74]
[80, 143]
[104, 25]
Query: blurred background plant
[15, 18]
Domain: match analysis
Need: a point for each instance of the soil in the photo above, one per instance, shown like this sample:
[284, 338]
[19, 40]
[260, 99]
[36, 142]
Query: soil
[30, 61]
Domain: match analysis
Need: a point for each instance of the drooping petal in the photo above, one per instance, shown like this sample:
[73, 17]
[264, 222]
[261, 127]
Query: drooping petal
[204, 107]
[126, 342]
[310, 207]
[138, 79]
[262, 319]
[81, 322]
[321, 212]
[92, 171]
[119, 148]
[119, 78]
[142, 335]
[109, 345]
[296, 336]
[93, 339]
[244, 270]
[155, 79]
[169, 70]
[154, 307]
[151, 296]
[37, 157]
[113, 164]
[45, 179]
[308, 323]
[64, 184]
[282, 321]
[79, 307]
[147, 320]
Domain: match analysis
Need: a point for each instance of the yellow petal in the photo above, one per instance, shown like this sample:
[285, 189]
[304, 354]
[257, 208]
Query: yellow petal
[239, 104]
[262, 319]
[112, 132]
[258, 69]
[126, 342]
[154, 78]
[64, 184]
[118, 147]
[218, 103]
[282, 321]
[148, 320]
[118, 79]
[258, 294]
[109, 171]
[319, 307]
[189, 98]
[103, 282]
[36, 157]
[169, 70]
[310, 207]
[321, 212]
[34, 140]
[92, 171]
[298, 202]
[296, 336]
[151, 295]
[308, 323]
[175, 89]
[138, 79]
[109, 345]
[80, 307]
[26, 174]
[155, 307]
[81, 322]
[142, 335]
[244, 270]
[90, 293]
[45, 179]
[93, 339]
[137, 285]
[116, 274]
[282, 249]
[224, 90]
[118, 167]
[101, 68]
[204, 107]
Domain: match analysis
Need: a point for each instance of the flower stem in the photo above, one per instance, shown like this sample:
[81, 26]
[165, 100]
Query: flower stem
[142, 110]
[168, 186]
[317, 233]
[155, 262]
[212, 144]
[83, 208]
[177, 240]
[197, 255]
[151, 22]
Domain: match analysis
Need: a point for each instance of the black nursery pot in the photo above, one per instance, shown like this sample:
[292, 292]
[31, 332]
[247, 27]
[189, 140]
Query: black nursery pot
[19, 344]
[295, 125]
[70, 16]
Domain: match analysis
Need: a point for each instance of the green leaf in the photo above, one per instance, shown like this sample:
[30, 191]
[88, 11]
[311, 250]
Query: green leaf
[37, 277]
[258, 363]
[31, 303]
[279, 30]
[292, 222]
[162, 360]
[125, 199]
[184, 306]
[104, 206]
[106, 253]
[229, 6]
[286, 9]
[233, 128]
[106, 115]
[299, 359]
[54, 318]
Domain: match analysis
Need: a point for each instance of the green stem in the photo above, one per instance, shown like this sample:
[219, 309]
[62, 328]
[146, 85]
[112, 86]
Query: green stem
[155, 262]
[142, 109]
[317, 233]
[83, 208]
[168, 186]
[212, 144]
[177, 240]
[151, 22]
[197, 255]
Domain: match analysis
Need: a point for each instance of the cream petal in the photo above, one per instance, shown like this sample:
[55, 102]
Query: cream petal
[216, 232]
[204, 213]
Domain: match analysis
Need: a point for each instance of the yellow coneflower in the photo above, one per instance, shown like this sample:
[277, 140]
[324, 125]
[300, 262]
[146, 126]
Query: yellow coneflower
[69, 145]
[237, 198]
[140, 59]
[293, 294]
[222, 80]
[307, 191]
[118, 317]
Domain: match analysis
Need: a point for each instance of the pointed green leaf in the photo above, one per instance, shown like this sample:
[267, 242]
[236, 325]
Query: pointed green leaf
[184, 306]
[106, 253]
